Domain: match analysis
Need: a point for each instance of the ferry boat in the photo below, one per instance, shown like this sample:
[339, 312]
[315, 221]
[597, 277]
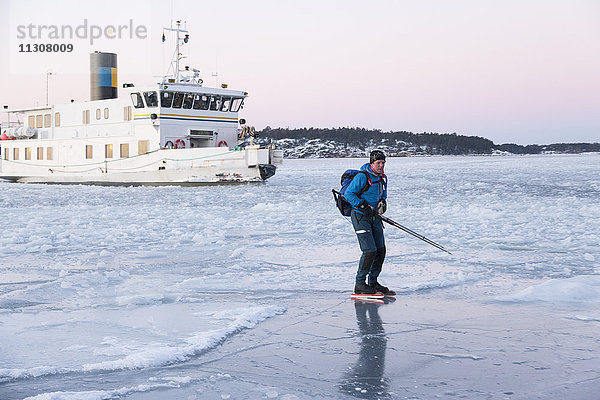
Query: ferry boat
[174, 132]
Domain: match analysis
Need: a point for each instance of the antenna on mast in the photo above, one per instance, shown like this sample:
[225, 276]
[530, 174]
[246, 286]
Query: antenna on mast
[180, 41]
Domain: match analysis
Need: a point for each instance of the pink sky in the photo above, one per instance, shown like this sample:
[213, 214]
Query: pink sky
[512, 71]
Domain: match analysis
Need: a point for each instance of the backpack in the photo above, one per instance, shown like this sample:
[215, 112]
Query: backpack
[347, 177]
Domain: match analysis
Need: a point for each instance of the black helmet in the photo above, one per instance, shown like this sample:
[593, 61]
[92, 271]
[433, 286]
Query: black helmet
[376, 155]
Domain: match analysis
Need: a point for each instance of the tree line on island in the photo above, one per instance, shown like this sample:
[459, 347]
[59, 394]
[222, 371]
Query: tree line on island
[333, 141]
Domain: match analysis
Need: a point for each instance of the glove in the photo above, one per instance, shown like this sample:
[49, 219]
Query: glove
[367, 209]
[381, 206]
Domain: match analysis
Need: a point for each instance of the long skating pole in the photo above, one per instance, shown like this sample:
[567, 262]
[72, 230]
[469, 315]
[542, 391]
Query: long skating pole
[411, 232]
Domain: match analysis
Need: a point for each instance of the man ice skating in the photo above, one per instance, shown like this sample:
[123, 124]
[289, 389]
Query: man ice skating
[372, 183]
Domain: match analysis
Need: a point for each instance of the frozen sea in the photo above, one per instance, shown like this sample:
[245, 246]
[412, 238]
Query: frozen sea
[242, 292]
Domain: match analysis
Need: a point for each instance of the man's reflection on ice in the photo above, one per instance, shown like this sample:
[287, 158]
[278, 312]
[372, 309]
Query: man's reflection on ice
[365, 378]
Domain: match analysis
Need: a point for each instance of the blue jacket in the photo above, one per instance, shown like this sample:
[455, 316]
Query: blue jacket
[372, 195]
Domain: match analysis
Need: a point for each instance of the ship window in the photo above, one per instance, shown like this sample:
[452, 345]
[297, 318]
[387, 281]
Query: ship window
[177, 100]
[31, 121]
[39, 121]
[151, 99]
[86, 116]
[40, 153]
[188, 101]
[28, 153]
[89, 151]
[5, 153]
[215, 103]
[15, 153]
[196, 102]
[137, 100]
[127, 113]
[57, 119]
[47, 120]
[49, 153]
[106, 113]
[226, 103]
[98, 113]
[166, 99]
[143, 146]
[201, 102]
[236, 103]
[108, 151]
[124, 148]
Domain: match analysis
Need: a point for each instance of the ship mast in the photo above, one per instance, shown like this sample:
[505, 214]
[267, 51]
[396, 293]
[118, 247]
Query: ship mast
[180, 41]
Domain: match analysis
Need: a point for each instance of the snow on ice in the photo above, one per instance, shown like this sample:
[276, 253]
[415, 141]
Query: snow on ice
[584, 288]
[96, 279]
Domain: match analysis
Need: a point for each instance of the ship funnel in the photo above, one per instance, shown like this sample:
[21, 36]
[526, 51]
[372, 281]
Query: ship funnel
[103, 76]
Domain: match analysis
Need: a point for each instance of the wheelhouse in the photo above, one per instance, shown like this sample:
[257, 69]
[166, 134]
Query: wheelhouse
[187, 100]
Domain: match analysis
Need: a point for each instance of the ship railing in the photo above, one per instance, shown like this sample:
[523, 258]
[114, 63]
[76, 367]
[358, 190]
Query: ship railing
[11, 124]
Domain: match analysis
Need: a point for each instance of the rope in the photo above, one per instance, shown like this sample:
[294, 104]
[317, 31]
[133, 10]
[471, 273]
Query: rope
[99, 164]
[79, 165]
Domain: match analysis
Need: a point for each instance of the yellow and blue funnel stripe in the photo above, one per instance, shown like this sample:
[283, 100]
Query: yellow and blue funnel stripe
[107, 77]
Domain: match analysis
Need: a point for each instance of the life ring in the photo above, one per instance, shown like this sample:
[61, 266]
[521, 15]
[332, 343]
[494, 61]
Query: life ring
[222, 143]
[169, 145]
[179, 144]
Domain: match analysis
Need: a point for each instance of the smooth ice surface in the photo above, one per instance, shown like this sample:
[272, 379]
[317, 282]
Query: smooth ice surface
[217, 291]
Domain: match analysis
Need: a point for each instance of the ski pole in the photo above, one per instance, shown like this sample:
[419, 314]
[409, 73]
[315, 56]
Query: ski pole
[411, 232]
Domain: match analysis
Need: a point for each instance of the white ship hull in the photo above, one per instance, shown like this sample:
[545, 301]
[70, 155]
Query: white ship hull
[199, 166]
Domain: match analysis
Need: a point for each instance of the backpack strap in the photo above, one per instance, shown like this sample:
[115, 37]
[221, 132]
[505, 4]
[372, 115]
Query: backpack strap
[367, 185]
[384, 181]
